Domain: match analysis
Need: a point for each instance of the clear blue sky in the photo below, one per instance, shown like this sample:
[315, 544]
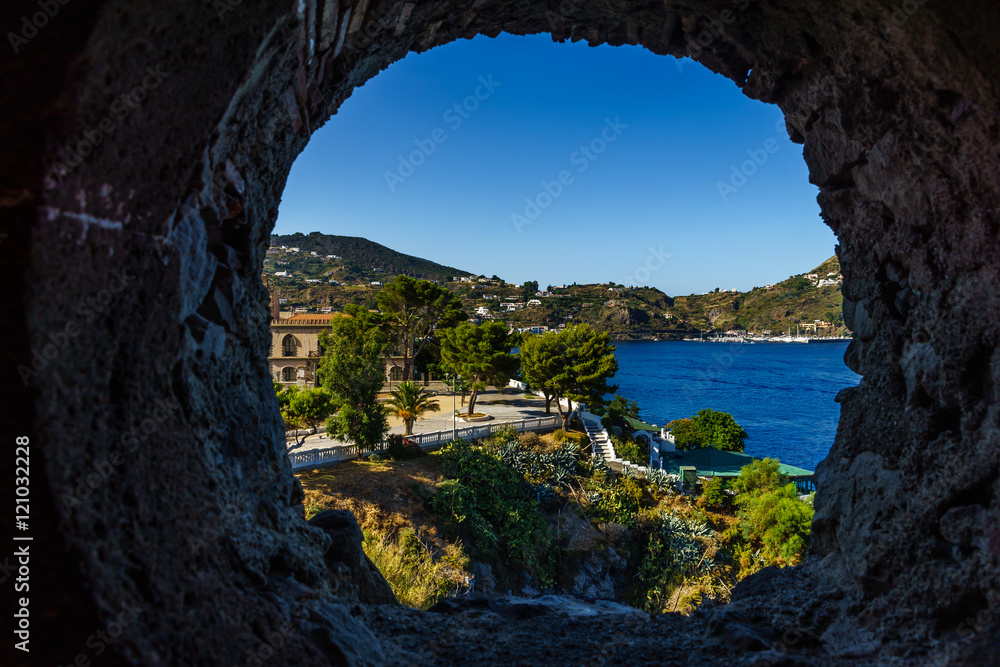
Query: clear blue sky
[642, 197]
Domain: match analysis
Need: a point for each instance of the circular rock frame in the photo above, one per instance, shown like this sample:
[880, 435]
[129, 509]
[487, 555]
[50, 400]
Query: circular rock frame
[147, 147]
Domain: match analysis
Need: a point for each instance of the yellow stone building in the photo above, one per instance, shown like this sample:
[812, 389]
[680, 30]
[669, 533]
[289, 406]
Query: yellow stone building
[295, 352]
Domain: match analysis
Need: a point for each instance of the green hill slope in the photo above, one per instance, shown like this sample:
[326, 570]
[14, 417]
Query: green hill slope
[623, 312]
[798, 300]
[358, 259]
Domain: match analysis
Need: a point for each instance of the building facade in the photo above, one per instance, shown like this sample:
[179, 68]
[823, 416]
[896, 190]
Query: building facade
[296, 354]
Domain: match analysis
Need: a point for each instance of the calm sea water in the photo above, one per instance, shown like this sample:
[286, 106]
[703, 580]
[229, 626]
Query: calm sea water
[780, 393]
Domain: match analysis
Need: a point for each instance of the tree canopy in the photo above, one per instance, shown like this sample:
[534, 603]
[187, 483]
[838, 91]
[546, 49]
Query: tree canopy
[588, 362]
[304, 408]
[353, 370]
[409, 401]
[618, 409]
[719, 430]
[708, 428]
[575, 363]
[480, 355]
[411, 310]
[541, 357]
[684, 432]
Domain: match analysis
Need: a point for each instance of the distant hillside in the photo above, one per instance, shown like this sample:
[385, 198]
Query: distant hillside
[806, 300]
[799, 300]
[360, 265]
[358, 259]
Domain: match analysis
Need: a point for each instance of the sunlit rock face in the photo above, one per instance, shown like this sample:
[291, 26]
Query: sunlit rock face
[149, 144]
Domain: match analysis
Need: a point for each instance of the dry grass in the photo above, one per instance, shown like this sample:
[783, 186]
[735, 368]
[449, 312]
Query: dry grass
[401, 535]
[387, 496]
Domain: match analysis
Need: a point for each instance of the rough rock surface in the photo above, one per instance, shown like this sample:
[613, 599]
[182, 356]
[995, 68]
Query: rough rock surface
[628, 317]
[534, 607]
[599, 576]
[351, 572]
[139, 320]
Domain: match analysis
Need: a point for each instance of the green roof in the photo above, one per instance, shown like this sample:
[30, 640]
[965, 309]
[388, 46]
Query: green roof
[641, 426]
[712, 462]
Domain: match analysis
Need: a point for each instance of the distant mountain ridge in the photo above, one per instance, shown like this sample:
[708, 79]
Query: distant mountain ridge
[347, 269]
[359, 257]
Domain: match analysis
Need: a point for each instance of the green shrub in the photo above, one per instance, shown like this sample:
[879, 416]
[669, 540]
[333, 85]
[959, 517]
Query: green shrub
[488, 502]
[656, 578]
[713, 493]
[622, 500]
[630, 450]
[759, 476]
[777, 524]
[676, 552]
[506, 433]
[399, 448]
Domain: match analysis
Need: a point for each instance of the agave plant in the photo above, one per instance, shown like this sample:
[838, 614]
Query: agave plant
[686, 549]
[544, 493]
[662, 480]
[523, 461]
[409, 401]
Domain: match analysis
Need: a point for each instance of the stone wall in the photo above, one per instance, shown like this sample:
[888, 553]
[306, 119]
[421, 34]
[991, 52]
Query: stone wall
[136, 228]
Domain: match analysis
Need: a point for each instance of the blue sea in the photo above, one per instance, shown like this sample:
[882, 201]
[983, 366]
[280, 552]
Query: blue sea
[780, 393]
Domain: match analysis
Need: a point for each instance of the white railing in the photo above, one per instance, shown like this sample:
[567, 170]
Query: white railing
[317, 458]
[601, 435]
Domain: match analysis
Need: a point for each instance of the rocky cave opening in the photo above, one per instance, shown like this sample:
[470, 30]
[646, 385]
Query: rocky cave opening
[151, 147]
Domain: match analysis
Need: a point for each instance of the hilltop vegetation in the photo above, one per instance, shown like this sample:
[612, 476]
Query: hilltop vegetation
[358, 259]
[622, 312]
[775, 308]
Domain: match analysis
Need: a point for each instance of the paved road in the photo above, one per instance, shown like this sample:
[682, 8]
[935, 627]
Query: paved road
[511, 406]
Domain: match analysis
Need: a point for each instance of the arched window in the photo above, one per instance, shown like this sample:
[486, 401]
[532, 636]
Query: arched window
[288, 374]
[395, 373]
[289, 346]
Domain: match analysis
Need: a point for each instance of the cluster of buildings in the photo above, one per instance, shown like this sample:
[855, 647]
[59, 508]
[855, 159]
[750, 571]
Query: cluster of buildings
[829, 279]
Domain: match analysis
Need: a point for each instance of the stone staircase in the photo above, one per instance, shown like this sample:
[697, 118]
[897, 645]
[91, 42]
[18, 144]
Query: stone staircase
[601, 443]
[599, 440]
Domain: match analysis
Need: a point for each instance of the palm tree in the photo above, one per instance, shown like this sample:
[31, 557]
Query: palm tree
[409, 402]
